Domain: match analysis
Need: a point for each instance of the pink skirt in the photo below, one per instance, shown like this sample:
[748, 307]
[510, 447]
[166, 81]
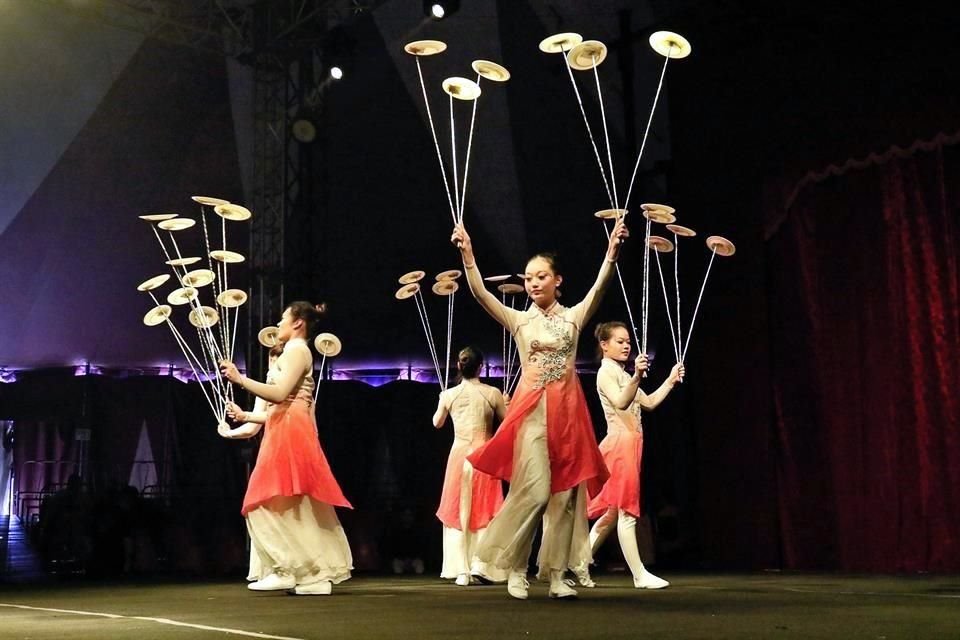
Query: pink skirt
[622, 452]
[291, 462]
[486, 496]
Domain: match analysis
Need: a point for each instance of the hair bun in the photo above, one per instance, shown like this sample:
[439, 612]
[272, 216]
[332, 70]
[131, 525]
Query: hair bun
[321, 308]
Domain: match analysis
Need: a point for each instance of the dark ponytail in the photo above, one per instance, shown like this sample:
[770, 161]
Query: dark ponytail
[470, 359]
[310, 314]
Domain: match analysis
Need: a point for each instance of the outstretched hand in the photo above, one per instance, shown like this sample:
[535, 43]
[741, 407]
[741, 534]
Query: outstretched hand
[461, 239]
[617, 236]
[677, 373]
[230, 371]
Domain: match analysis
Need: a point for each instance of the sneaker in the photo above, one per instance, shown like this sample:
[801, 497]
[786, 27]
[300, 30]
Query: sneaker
[583, 577]
[273, 582]
[463, 580]
[649, 581]
[517, 585]
[322, 588]
[561, 590]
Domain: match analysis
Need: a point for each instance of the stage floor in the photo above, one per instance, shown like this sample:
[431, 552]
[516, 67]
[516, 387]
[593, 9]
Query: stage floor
[769, 605]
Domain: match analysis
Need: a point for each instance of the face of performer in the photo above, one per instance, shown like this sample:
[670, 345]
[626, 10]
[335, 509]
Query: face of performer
[617, 346]
[541, 282]
[290, 327]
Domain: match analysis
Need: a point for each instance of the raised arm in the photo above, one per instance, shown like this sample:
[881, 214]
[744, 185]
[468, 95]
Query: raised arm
[651, 401]
[500, 312]
[292, 364]
[585, 309]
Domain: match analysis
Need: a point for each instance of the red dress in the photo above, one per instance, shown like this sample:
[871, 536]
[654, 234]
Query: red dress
[622, 448]
[291, 461]
[547, 343]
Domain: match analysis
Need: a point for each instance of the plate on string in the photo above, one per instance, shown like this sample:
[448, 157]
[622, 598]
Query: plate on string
[204, 317]
[327, 344]
[268, 336]
[491, 70]
[587, 55]
[610, 214]
[158, 217]
[445, 287]
[183, 295]
[660, 244]
[560, 42]
[153, 283]
[679, 230]
[510, 289]
[721, 246]
[497, 278]
[157, 315]
[411, 276]
[407, 291]
[183, 262]
[233, 212]
[232, 298]
[659, 213]
[199, 278]
[670, 45]
[452, 274]
[176, 224]
[462, 88]
[208, 201]
[425, 47]
[229, 257]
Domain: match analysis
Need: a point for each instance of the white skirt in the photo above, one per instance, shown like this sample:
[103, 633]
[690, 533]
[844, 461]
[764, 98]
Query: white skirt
[298, 536]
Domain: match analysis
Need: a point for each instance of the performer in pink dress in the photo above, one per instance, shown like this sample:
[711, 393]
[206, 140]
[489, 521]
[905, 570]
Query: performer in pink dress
[618, 504]
[545, 446]
[290, 499]
[470, 498]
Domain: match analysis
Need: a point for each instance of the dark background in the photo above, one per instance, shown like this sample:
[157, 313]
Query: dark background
[818, 426]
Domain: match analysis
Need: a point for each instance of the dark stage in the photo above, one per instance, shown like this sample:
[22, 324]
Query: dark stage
[698, 605]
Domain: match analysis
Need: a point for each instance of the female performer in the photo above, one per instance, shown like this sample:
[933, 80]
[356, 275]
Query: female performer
[545, 447]
[470, 498]
[290, 499]
[622, 399]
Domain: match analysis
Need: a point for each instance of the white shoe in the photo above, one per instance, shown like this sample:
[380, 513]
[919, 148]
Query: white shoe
[559, 587]
[273, 582]
[517, 585]
[583, 577]
[649, 581]
[322, 588]
[463, 580]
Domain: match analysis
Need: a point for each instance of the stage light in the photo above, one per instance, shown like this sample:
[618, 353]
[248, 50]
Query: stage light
[440, 10]
[336, 73]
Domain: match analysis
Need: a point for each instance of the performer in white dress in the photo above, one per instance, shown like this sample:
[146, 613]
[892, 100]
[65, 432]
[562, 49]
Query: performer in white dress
[470, 498]
[545, 446]
[618, 504]
[290, 499]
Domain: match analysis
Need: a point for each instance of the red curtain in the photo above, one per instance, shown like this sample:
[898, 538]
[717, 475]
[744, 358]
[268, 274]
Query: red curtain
[865, 351]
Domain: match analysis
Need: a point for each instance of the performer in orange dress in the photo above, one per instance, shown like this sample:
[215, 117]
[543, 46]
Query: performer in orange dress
[290, 499]
[545, 446]
[470, 498]
[618, 504]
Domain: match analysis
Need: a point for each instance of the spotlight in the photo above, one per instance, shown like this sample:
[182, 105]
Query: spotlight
[336, 73]
[440, 10]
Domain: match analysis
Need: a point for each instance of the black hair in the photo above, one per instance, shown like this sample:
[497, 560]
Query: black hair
[470, 359]
[309, 313]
